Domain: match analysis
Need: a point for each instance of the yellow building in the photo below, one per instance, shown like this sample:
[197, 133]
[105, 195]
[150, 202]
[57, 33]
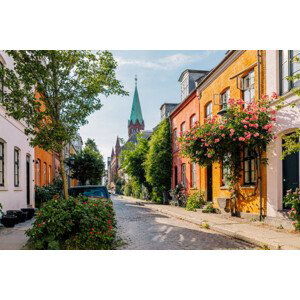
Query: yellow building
[240, 75]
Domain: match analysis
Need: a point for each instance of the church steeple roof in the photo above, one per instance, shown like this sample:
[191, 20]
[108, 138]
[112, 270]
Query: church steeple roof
[136, 111]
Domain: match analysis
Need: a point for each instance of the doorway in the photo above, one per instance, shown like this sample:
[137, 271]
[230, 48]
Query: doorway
[209, 183]
[28, 179]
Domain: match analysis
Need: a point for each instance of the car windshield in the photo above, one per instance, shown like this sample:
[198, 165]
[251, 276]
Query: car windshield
[89, 192]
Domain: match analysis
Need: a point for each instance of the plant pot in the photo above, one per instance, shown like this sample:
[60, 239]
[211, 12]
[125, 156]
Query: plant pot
[222, 203]
[30, 212]
[9, 220]
[17, 213]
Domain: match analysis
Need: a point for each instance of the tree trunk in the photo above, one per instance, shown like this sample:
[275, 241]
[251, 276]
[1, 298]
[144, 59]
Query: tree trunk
[63, 173]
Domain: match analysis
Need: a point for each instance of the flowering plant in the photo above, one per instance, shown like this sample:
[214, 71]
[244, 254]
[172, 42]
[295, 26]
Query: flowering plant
[292, 199]
[223, 138]
[75, 223]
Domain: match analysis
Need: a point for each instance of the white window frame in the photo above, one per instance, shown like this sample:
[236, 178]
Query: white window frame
[248, 87]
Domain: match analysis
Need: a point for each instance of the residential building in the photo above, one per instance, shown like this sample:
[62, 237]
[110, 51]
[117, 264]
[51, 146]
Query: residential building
[282, 175]
[240, 75]
[16, 157]
[183, 117]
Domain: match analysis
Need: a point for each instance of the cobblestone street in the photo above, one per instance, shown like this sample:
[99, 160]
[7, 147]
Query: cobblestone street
[142, 228]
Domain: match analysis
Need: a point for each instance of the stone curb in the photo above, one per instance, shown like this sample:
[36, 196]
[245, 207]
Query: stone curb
[231, 233]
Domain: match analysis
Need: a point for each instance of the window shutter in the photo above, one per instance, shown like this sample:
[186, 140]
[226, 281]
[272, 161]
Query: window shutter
[217, 99]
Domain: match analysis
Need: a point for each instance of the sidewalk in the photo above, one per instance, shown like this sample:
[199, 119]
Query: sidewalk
[260, 234]
[14, 238]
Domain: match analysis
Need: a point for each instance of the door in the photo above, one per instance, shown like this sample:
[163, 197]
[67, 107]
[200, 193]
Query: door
[28, 179]
[209, 183]
[290, 172]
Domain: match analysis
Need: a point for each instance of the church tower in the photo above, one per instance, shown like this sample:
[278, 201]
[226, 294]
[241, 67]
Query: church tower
[136, 122]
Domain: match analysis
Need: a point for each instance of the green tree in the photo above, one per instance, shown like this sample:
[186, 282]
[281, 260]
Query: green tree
[133, 158]
[87, 165]
[68, 84]
[158, 163]
[90, 143]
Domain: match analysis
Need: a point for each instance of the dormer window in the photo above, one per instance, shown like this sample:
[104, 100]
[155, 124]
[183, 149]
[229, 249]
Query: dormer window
[185, 87]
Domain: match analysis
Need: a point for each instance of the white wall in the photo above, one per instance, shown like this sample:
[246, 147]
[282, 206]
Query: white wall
[288, 118]
[12, 133]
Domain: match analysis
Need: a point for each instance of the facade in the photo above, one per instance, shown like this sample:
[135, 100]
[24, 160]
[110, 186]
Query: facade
[240, 75]
[184, 117]
[16, 158]
[282, 175]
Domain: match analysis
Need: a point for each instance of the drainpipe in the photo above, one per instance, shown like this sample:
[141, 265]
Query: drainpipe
[259, 159]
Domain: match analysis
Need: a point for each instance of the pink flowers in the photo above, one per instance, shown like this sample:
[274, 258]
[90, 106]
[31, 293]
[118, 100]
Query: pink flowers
[223, 135]
[241, 139]
[217, 140]
[274, 95]
[232, 131]
[256, 134]
[231, 101]
[240, 102]
[268, 126]
[221, 127]
[245, 126]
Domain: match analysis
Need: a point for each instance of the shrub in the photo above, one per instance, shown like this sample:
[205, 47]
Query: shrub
[128, 189]
[136, 189]
[292, 199]
[145, 195]
[210, 209]
[120, 186]
[195, 200]
[75, 223]
[47, 192]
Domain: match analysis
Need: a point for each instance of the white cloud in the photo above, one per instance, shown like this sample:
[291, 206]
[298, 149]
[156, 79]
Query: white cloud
[164, 63]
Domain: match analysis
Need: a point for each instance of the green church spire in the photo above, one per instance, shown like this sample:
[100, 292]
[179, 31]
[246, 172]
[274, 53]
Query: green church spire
[136, 111]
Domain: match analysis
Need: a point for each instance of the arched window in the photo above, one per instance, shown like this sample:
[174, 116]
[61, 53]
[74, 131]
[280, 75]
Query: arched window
[183, 175]
[208, 110]
[49, 174]
[38, 172]
[182, 128]
[192, 121]
[193, 175]
[45, 173]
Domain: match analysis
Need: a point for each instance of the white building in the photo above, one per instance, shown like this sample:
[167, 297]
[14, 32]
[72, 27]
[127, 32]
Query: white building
[16, 159]
[282, 175]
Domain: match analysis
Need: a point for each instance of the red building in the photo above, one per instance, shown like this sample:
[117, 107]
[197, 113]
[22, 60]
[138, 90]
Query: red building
[184, 117]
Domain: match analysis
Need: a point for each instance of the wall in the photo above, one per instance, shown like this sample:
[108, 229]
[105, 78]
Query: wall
[225, 76]
[45, 158]
[12, 133]
[182, 114]
[288, 118]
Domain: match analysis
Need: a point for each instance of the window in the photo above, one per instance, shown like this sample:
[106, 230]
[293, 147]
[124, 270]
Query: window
[1, 81]
[184, 87]
[193, 175]
[248, 87]
[225, 173]
[224, 99]
[176, 176]
[182, 128]
[192, 121]
[208, 110]
[45, 173]
[249, 167]
[49, 174]
[1, 163]
[16, 167]
[38, 172]
[183, 175]
[175, 139]
[288, 66]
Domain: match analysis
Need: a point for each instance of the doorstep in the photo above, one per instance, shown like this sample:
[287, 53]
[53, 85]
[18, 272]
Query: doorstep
[257, 233]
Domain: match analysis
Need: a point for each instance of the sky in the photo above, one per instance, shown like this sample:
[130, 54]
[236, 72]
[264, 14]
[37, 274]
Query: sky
[157, 74]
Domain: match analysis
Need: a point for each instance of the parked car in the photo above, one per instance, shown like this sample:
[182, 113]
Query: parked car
[92, 191]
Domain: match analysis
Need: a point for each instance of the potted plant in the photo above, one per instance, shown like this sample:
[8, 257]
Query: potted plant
[9, 220]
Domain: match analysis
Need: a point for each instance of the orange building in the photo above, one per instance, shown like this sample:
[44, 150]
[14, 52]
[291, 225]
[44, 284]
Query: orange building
[240, 75]
[46, 166]
[183, 118]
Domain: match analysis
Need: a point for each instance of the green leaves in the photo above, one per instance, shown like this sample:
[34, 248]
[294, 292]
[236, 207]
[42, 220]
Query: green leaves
[87, 165]
[68, 85]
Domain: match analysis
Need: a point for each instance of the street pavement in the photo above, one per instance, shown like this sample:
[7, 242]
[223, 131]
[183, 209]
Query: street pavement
[14, 238]
[142, 228]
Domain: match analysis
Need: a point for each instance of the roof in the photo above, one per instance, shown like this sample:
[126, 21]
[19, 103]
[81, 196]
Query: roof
[136, 111]
[168, 103]
[191, 71]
